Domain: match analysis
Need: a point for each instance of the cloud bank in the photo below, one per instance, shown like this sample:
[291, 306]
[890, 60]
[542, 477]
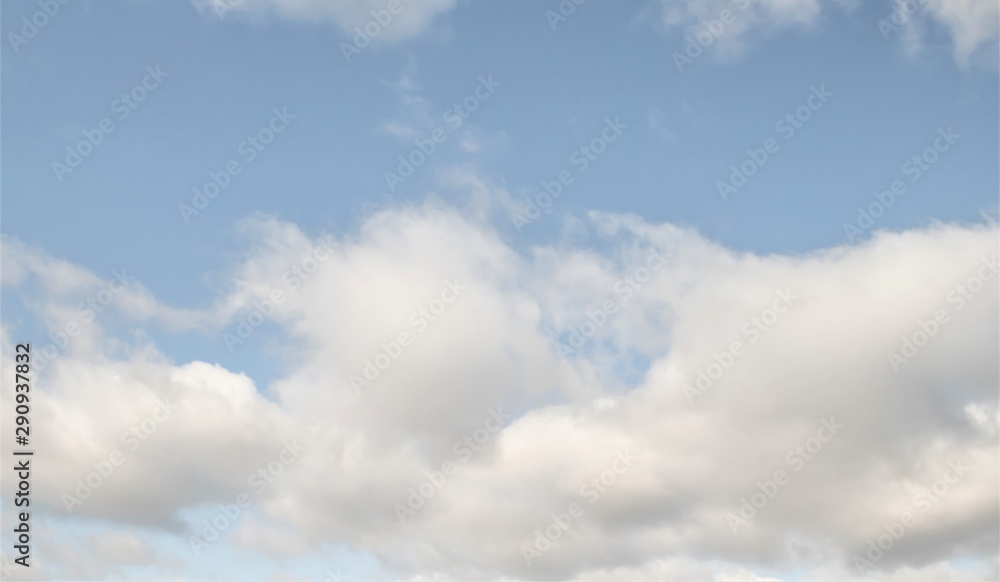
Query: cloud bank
[635, 401]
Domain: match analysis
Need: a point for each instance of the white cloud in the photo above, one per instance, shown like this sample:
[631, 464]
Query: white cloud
[65, 291]
[666, 515]
[727, 40]
[972, 25]
[412, 117]
[414, 17]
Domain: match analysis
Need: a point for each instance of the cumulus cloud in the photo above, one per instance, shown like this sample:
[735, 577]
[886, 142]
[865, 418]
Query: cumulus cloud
[647, 417]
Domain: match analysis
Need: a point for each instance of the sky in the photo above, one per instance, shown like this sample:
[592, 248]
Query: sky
[665, 241]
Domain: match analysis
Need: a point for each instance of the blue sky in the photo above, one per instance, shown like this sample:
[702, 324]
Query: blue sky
[557, 87]
[887, 99]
